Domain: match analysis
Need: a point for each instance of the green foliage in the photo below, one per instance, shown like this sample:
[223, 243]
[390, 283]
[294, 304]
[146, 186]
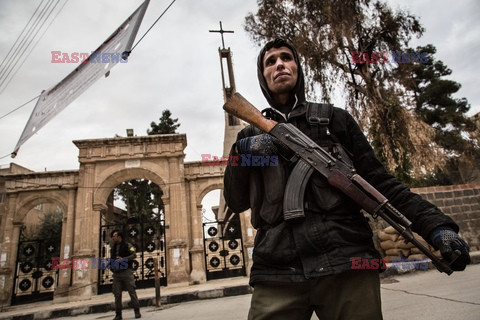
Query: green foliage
[166, 125]
[50, 225]
[142, 198]
[49, 228]
[436, 105]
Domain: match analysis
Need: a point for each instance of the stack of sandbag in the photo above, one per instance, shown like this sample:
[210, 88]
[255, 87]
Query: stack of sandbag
[394, 245]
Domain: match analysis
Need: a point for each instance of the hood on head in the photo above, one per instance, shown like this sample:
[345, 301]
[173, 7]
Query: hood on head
[299, 89]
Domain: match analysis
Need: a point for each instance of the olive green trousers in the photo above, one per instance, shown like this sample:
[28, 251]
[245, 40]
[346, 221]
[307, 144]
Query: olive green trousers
[352, 295]
[124, 281]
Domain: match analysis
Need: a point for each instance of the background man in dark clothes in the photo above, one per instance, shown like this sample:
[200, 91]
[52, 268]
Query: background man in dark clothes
[306, 265]
[122, 277]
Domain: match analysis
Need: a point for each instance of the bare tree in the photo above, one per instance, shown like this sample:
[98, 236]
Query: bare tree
[347, 45]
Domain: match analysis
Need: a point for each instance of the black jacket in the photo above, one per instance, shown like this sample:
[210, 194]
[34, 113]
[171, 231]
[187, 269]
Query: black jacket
[126, 251]
[334, 230]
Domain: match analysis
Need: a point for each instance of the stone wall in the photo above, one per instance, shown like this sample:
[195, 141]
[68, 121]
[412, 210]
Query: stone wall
[460, 202]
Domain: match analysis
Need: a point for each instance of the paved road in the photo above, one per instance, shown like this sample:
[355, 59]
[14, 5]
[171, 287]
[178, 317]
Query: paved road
[427, 295]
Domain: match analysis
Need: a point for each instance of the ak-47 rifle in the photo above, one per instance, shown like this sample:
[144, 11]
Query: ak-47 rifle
[312, 157]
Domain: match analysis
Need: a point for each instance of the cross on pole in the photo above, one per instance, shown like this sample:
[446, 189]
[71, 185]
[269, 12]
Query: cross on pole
[221, 31]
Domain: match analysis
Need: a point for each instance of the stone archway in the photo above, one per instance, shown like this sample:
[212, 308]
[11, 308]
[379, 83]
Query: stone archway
[24, 192]
[147, 235]
[82, 194]
[104, 164]
[202, 179]
[102, 192]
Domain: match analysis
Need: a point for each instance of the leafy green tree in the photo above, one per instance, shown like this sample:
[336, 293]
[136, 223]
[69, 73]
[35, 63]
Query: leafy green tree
[143, 199]
[337, 40]
[434, 102]
[50, 225]
[165, 126]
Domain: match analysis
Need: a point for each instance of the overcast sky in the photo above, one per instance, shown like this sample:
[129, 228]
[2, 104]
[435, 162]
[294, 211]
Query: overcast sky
[175, 67]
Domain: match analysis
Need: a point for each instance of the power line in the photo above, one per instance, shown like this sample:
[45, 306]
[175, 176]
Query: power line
[8, 68]
[33, 184]
[17, 108]
[2, 71]
[36, 28]
[152, 25]
[35, 45]
[15, 43]
[25, 42]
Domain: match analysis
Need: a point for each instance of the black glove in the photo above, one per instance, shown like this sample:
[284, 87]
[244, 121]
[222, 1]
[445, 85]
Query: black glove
[448, 241]
[261, 145]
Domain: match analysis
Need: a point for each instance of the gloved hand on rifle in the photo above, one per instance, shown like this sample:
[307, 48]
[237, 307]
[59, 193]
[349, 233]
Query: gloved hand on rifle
[262, 145]
[448, 241]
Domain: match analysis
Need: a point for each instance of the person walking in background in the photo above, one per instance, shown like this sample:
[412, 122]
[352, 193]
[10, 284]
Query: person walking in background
[123, 252]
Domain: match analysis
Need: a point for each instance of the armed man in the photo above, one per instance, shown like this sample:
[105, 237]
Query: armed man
[308, 234]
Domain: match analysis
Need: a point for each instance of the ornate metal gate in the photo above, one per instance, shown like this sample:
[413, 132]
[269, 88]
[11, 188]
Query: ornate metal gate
[149, 241]
[35, 280]
[224, 249]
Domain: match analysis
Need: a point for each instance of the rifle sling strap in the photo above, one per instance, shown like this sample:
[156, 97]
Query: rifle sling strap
[318, 116]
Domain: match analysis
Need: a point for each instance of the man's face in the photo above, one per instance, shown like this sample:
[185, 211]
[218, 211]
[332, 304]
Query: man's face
[280, 70]
[116, 238]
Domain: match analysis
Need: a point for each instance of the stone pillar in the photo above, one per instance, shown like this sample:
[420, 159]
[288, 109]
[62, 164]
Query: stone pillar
[248, 234]
[8, 251]
[65, 275]
[86, 235]
[178, 256]
[197, 253]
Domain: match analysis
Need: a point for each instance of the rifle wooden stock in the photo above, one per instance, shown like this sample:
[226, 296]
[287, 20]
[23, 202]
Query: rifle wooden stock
[238, 106]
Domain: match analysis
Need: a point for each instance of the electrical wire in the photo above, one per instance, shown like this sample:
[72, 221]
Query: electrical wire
[152, 25]
[41, 21]
[17, 108]
[3, 71]
[35, 45]
[15, 43]
[13, 58]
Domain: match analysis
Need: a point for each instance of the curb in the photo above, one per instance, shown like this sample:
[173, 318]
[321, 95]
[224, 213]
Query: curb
[175, 298]
[144, 302]
[419, 266]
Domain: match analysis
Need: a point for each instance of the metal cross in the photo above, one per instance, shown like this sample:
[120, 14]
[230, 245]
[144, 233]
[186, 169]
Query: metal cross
[221, 31]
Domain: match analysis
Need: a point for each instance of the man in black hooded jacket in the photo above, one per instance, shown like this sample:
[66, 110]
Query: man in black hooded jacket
[305, 266]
